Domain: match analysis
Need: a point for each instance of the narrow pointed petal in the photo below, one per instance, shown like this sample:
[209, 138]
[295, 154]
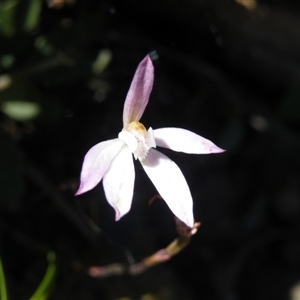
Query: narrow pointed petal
[171, 185]
[118, 182]
[182, 140]
[139, 91]
[96, 162]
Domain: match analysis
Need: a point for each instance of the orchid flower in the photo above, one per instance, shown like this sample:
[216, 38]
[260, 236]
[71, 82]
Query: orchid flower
[112, 160]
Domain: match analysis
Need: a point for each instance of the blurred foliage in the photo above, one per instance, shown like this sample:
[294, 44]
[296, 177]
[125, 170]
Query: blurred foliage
[19, 98]
[32, 18]
[20, 110]
[7, 14]
[9, 11]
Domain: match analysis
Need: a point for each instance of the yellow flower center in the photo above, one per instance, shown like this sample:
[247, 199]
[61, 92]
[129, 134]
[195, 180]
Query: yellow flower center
[136, 128]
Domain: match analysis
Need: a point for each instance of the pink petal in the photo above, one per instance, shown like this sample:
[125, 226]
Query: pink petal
[171, 185]
[139, 91]
[96, 162]
[182, 140]
[118, 182]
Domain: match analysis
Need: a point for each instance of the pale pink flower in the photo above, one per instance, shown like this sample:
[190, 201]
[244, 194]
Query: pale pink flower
[112, 159]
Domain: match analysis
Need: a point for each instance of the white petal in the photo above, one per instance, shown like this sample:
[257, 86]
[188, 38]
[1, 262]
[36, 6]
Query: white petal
[129, 139]
[171, 185]
[118, 182]
[96, 162]
[182, 140]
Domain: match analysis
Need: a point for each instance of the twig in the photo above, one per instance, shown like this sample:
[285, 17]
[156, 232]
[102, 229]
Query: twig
[161, 256]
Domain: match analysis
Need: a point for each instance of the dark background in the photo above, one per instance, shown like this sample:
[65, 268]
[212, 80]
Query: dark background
[228, 71]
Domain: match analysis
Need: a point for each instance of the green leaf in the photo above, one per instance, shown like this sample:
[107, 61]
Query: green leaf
[43, 290]
[7, 13]
[21, 110]
[103, 59]
[19, 98]
[33, 15]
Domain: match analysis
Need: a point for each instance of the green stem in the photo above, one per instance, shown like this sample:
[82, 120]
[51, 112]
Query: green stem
[3, 292]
